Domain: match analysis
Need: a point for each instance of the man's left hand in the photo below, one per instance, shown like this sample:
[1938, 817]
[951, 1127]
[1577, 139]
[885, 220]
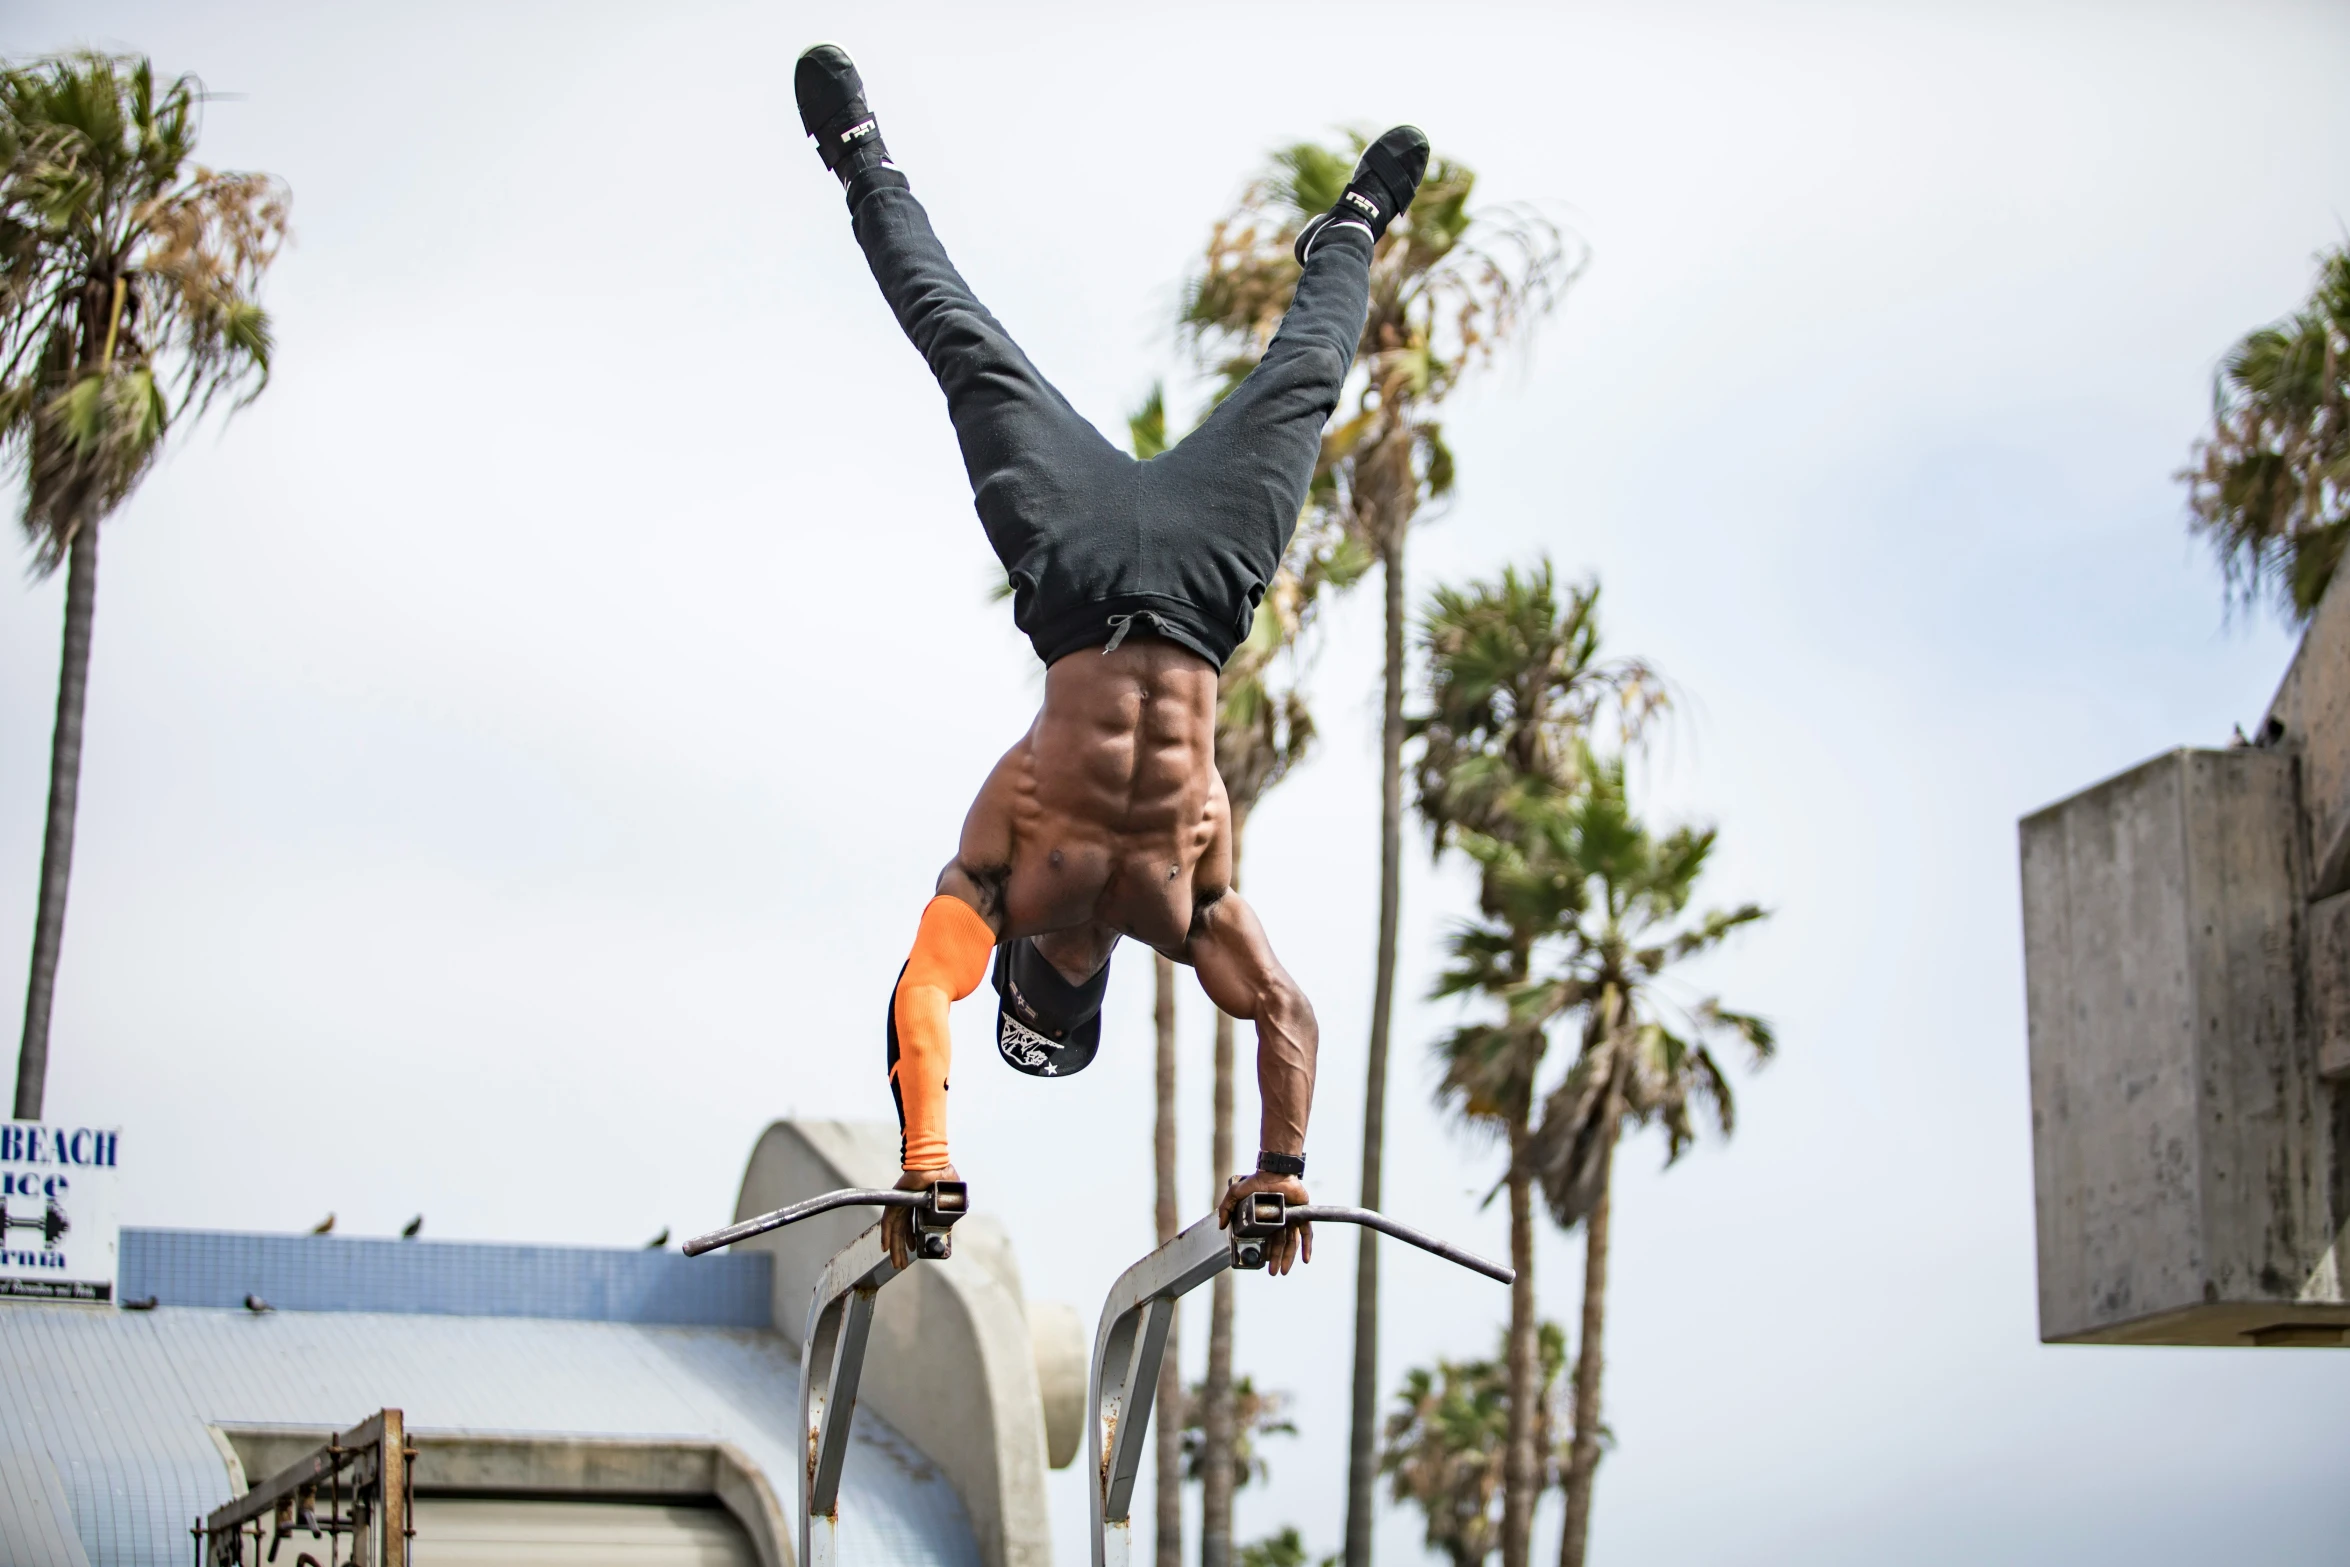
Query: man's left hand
[897, 1224]
[1296, 1243]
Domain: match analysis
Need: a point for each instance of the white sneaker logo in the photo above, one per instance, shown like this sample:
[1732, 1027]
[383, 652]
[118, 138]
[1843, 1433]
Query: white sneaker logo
[858, 131]
[1370, 207]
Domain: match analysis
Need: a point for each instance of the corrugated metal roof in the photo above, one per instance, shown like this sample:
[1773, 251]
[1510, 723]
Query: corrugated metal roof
[36, 1522]
[452, 1278]
[118, 1402]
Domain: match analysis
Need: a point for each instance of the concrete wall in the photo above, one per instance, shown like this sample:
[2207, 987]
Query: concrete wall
[2311, 718]
[954, 1359]
[2329, 974]
[2180, 1141]
[2187, 976]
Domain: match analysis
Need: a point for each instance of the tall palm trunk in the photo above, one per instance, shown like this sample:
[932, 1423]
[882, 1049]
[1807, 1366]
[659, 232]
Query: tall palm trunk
[1362, 1456]
[1216, 1415]
[1521, 1474]
[1583, 1456]
[65, 778]
[1168, 1220]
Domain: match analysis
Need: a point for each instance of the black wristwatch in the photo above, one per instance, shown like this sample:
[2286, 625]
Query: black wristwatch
[1281, 1163]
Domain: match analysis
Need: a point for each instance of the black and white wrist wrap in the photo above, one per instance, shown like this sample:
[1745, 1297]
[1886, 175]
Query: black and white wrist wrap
[1281, 1163]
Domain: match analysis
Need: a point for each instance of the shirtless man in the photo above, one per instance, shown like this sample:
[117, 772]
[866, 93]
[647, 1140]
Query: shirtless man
[1134, 581]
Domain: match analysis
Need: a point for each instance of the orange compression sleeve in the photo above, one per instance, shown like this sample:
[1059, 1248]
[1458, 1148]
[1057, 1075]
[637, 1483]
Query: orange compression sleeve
[949, 960]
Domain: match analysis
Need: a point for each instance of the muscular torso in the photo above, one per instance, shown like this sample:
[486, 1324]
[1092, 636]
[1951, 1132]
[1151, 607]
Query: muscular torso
[1108, 818]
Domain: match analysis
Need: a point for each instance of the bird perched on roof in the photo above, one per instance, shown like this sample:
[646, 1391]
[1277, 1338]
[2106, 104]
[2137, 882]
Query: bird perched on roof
[408, 1232]
[324, 1226]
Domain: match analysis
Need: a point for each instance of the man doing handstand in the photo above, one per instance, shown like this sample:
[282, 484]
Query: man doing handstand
[1134, 581]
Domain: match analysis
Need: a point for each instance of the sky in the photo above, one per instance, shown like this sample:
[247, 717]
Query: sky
[521, 743]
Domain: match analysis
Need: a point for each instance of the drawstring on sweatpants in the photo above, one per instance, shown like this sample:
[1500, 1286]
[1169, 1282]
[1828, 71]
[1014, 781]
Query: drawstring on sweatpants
[1121, 624]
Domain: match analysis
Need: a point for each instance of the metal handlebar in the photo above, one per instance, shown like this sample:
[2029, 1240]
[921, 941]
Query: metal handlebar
[1250, 1224]
[1131, 1339]
[840, 1319]
[937, 1208]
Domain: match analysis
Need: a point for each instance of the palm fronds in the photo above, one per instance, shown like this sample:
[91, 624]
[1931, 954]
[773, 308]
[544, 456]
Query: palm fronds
[1583, 909]
[129, 281]
[2269, 487]
[1515, 688]
[1445, 1444]
[1452, 287]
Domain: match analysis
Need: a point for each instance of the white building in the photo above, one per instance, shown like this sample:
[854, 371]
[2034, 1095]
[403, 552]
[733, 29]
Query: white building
[568, 1405]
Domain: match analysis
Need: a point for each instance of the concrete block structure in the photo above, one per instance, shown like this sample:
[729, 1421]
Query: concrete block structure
[2187, 971]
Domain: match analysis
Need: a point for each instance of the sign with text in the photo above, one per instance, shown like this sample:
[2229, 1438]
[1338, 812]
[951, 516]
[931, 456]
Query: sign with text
[57, 1210]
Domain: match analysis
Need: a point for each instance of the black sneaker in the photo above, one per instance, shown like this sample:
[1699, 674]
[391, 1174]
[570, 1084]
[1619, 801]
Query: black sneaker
[832, 109]
[1386, 179]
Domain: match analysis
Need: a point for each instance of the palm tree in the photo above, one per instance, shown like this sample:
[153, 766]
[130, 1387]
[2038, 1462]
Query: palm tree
[129, 277]
[1168, 1542]
[1146, 434]
[1450, 287]
[1146, 430]
[1263, 731]
[1643, 1056]
[2270, 486]
[1445, 1447]
[1256, 1414]
[1515, 685]
[1284, 1548]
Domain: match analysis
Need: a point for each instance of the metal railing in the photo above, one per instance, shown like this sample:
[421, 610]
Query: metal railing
[356, 1493]
[840, 1318]
[1132, 1337]
[1129, 1344]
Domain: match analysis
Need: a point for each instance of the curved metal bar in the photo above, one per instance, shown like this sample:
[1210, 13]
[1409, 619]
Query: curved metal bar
[840, 1319]
[848, 1197]
[832, 1360]
[1131, 1340]
[1371, 1219]
[1128, 1346]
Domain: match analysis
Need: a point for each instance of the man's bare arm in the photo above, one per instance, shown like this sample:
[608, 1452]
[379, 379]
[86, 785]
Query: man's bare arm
[974, 878]
[1238, 970]
[983, 854]
[1241, 975]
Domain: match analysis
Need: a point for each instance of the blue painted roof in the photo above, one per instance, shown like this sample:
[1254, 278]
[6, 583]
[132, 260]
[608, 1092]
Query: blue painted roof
[445, 1278]
[107, 1408]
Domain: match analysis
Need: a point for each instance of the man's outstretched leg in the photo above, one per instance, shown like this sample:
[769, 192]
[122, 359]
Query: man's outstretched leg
[1033, 463]
[1030, 456]
[1241, 477]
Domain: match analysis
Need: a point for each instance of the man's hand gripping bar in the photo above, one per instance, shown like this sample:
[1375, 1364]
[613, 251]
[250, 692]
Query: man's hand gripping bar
[1263, 1215]
[936, 1208]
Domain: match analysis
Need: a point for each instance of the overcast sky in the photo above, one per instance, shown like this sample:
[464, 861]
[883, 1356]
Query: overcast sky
[521, 744]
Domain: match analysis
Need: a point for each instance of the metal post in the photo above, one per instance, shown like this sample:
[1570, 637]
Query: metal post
[1132, 1338]
[372, 1463]
[1127, 1348]
[395, 1460]
[832, 1361]
[840, 1319]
